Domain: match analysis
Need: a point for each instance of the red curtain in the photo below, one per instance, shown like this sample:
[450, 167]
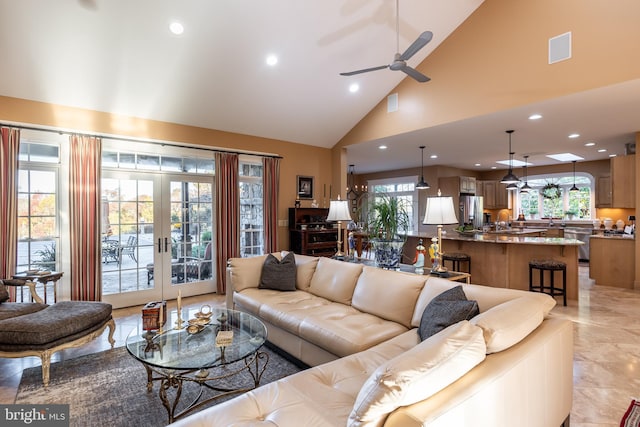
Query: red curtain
[9, 149]
[84, 217]
[227, 215]
[271, 183]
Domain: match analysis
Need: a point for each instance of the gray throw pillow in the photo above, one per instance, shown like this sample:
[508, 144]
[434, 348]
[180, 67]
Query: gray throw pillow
[279, 275]
[4, 293]
[444, 310]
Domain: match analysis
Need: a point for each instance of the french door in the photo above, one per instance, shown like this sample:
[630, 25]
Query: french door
[157, 236]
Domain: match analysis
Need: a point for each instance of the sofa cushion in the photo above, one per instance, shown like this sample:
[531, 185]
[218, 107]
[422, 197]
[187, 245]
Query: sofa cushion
[279, 274]
[14, 309]
[4, 293]
[418, 373]
[53, 324]
[335, 280]
[486, 296]
[305, 266]
[245, 272]
[510, 322]
[448, 308]
[388, 294]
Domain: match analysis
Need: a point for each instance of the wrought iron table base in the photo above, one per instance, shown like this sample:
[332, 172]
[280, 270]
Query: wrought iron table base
[255, 364]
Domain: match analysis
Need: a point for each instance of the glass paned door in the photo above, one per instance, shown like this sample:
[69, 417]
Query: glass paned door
[156, 237]
[191, 225]
[128, 242]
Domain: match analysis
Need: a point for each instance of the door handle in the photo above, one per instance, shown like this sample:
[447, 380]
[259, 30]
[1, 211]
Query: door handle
[159, 247]
[166, 244]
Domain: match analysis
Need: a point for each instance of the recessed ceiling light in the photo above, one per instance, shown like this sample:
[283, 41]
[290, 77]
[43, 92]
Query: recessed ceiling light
[354, 87]
[272, 60]
[612, 155]
[176, 28]
[434, 156]
[383, 147]
[494, 167]
[574, 135]
[602, 150]
[565, 157]
[535, 116]
[589, 144]
[477, 164]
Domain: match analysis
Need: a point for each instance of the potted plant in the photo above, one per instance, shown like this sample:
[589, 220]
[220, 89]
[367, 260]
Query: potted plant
[388, 224]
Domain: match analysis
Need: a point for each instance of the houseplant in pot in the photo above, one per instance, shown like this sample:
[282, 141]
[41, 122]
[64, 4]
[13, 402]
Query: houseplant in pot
[388, 223]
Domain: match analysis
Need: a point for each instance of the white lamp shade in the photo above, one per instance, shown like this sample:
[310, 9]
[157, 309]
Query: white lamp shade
[440, 210]
[339, 211]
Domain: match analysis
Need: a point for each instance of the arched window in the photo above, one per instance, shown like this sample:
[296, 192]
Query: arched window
[550, 197]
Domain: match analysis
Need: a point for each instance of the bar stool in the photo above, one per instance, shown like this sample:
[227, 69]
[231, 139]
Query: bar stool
[550, 265]
[456, 258]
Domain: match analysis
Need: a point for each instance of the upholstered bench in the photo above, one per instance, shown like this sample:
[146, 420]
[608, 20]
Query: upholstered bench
[33, 329]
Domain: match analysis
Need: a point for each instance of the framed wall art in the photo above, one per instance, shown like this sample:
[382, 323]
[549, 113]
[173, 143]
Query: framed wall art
[305, 187]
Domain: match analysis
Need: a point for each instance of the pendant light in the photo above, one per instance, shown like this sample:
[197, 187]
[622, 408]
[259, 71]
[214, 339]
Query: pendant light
[525, 188]
[574, 188]
[510, 178]
[422, 184]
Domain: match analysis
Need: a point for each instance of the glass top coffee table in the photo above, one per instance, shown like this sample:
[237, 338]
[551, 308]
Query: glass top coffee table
[192, 354]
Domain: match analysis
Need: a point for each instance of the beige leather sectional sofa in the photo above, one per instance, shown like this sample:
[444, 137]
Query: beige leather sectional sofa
[511, 365]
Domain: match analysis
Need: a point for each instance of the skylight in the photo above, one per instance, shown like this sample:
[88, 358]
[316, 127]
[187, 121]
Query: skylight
[565, 157]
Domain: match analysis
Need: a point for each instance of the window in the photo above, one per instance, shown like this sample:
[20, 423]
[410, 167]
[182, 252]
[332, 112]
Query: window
[551, 198]
[251, 208]
[402, 188]
[38, 222]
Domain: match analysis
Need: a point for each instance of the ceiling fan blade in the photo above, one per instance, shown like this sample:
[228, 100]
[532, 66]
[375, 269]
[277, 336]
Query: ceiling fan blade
[417, 75]
[420, 42]
[366, 70]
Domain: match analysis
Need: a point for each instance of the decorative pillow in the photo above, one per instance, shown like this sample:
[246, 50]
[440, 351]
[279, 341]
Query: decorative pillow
[418, 373]
[446, 309]
[279, 275]
[4, 293]
[510, 322]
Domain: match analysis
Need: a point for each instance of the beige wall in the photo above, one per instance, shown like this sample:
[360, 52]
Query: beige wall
[497, 60]
[297, 159]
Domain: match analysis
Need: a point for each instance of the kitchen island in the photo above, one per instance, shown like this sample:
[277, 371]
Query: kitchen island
[612, 261]
[503, 260]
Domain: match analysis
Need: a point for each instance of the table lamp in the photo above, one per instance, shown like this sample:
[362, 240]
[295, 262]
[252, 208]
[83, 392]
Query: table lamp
[339, 211]
[440, 210]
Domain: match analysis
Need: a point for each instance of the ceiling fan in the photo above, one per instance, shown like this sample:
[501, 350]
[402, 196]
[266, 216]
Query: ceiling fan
[400, 61]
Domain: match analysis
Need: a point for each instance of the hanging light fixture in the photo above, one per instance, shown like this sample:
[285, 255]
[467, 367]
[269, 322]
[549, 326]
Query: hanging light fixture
[422, 184]
[574, 188]
[525, 188]
[353, 191]
[510, 178]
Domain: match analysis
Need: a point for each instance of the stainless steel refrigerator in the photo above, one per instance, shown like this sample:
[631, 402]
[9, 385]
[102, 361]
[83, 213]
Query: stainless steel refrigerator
[470, 211]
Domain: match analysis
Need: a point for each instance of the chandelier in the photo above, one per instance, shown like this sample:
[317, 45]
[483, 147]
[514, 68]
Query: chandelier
[353, 190]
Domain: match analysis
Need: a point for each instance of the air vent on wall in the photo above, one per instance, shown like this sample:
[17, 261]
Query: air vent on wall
[560, 48]
[392, 103]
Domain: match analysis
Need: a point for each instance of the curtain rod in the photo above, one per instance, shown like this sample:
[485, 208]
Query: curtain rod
[121, 138]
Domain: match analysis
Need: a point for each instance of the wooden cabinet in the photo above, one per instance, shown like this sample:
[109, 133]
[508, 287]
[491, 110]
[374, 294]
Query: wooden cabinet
[458, 184]
[623, 181]
[495, 194]
[603, 191]
[310, 233]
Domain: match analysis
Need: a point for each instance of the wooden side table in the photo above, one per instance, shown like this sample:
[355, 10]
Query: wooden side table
[44, 278]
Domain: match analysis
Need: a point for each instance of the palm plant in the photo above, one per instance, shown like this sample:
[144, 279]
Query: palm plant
[388, 219]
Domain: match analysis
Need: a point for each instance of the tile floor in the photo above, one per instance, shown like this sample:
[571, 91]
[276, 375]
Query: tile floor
[606, 342]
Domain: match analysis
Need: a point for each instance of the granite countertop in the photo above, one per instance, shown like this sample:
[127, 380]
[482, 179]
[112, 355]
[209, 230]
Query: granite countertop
[517, 231]
[497, 238]
[614, 236]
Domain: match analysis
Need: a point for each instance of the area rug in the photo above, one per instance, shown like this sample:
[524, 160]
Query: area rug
[109, 388]
[631, 418]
